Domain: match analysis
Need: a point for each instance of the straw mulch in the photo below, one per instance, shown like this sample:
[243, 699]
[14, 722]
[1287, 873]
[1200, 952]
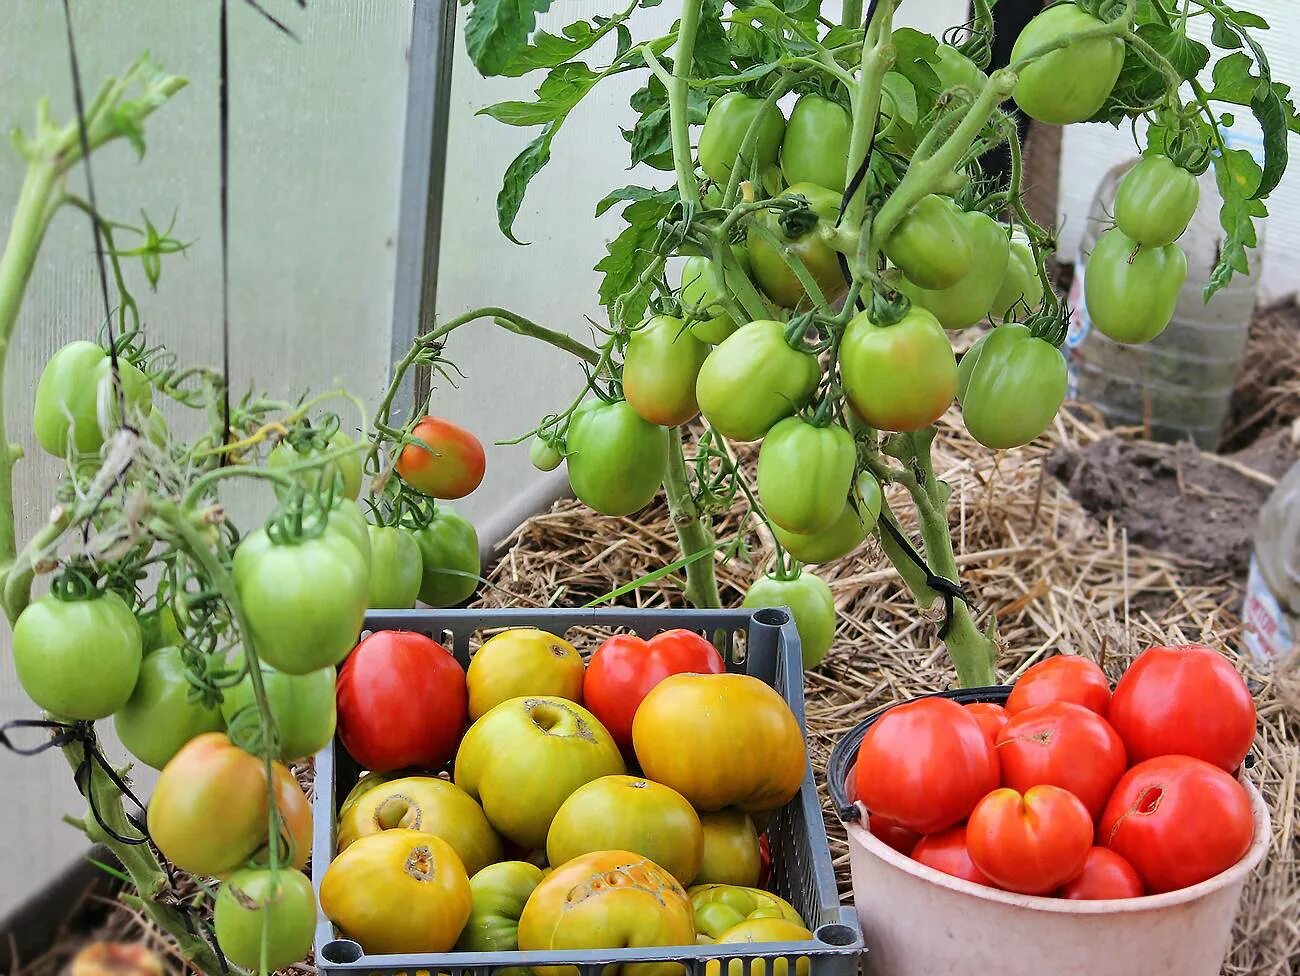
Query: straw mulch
[1055, 579]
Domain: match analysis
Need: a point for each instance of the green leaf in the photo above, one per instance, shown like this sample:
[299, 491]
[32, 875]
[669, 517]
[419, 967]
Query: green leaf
[522, 113]
[631, 193]
[1238, 177]
[497, 30]
[1271, 112]
[712, 54]
[1188, 56]
[518, 175]
[1236, 84]
[630, 254]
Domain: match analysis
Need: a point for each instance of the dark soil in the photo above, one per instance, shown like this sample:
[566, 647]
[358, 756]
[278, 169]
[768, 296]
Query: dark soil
[1267, 395]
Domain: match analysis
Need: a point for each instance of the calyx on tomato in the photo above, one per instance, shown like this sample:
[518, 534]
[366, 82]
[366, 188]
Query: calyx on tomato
[969, 299]
[776, 237]
[616, 459]
[1072, 83]
[343, 473]
[725, 128]
[1130, 291]
[1011, 383]
[753, 379]
[805, 472]
[898, 377]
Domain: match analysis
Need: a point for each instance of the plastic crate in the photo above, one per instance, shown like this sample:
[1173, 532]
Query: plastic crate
[763, 643]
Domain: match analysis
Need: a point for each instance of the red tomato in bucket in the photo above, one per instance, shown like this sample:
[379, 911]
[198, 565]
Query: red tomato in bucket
[1105, 875]
[1031, 843]
[1067, 678]
[991, 717]
[946, 851]
[1065, 745]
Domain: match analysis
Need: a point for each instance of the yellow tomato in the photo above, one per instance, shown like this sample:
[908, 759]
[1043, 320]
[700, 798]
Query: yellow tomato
[431, 805]
[763, 930]
[398, 891]
[731, 854]
[630, 814]
[608, 900]
[720, 908]
[720, 740]
[522, 662]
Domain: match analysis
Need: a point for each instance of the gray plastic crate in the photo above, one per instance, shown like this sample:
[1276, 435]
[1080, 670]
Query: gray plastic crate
[763, 643]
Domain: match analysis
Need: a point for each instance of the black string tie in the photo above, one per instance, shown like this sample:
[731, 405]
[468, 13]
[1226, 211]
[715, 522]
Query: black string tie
[950, 590]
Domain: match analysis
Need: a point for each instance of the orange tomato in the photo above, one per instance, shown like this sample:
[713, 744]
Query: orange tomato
[450, 464]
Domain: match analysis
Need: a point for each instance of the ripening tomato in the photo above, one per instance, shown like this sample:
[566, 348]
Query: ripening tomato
[1105, 875]
[754, 378]
[761, 929]
[1067, 678]
[499, 892]
[1062, 744]
[898, 377]
[970, 298]
[893, 835]
[625, 667]
[719, 908]
[946, 851]
[1011, 384]
[732, 850]
[775, 237]
[924, 764]
[447, 462]
[1178, 821]
[662, 360]
[1031, 843]
[450, 558]
[401, 702]
[253, 906]
[991, 717]
[1185, 700]
[616, 460]
[522, 661]
[302, 705]
[164, 711]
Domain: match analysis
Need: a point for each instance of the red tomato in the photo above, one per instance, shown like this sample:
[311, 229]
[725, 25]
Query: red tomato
[925, 764]
[1105, 875]
[451, 463]
[893, 835]
[1066, 678]
[946, 851]
[401, 702]
[1031, 843]
[990, 716]
[625, 668]
[1178, 821]
[1065, 745]
[1185, 701]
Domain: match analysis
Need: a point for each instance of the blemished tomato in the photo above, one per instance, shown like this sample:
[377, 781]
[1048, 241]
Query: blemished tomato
[525, 757]
[1063, 678]
[970, 298]
[663, 359]
[810, 601]
[816, 144]
[401, 702]
[1178, 821]
[626, 813]
[450, 557]
[1105, 875]
[253, 905]
[805, 473]
[1021, 287]
[777, 235]
[892, 835]
[1156, 201]
[719, 908]
[721, 740]
[754, 378]
[702, 290]
[1062, 744]
[1130, 291]
[76, 381]
[925, 764]
[607, 900]
[427, 804]
[723, 136]
[398, 891]
[522, 661]
[946, 851]
[731, 853]
[447, 462]
[991, 717]
[931, 244]
[625, 667]
[396, 568]
[499, 892]
[1032, 842]
[1011, 385]
[79, 658]
[616, 459]
[1184, 700]
[301, 704]
[304, 600]
[1071, 83]
[898, 377]
[162, 714]
[344, 472]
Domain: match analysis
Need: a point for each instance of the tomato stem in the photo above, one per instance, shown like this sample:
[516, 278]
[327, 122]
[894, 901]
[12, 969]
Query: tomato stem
[693, 531]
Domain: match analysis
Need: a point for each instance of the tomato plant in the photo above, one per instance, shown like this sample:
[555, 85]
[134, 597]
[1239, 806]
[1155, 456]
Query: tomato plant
[1156, 201]
[754, 378]
[1105, 875]
[256, 905]
[1071, 83]
[1063, 678]
[811, 603]
[946, 851]
[1032, 842]
[899, 375]
[616, 459]
[444, 460]
[1011, 384]
[523, 661]
[663, 359]
[1130, 290]
[816, 145]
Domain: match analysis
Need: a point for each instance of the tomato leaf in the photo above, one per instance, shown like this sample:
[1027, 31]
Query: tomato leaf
[1238, 177]
[497, 31]
[518, 175]
[631, 193]
[1270, 101]
[630, 254]
[1187, 55]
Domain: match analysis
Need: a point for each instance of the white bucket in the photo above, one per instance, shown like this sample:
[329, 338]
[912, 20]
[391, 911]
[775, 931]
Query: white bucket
[921, 922]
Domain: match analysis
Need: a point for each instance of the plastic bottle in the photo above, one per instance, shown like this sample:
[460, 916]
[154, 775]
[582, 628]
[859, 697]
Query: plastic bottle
[1272, 608]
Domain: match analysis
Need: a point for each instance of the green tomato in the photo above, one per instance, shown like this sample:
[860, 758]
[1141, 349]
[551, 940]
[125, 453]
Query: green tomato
[616, 459]
[970, 298]
[753, 379]
[1021, 286]
[1071, 83]
[816, 144]
[163, 713]
[811, 603]
[158, 628]
[931, 244]
[1156, 201]
[956, 70]
[395, 570]
[499, 893]
[662, 360]
[845, 534]
[813, 248]
[304, 601]
[75, 399]
[724, 132]
[702, 289]
[450, 557]
[155, 427]
[545, 455]
[805, 473]
[898, 377]
[347, 522]
[254, 905]
[1130, 291]
[1011, 384]
[348, 468]
[301, 704]
[78, 659]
